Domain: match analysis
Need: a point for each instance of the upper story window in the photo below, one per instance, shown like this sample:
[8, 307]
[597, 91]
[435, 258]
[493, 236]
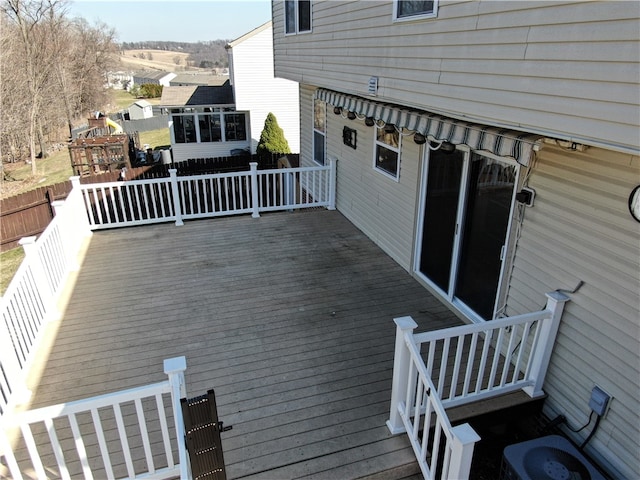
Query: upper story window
[319, 130]
[297, 16]
[387, 152]
[414, 9]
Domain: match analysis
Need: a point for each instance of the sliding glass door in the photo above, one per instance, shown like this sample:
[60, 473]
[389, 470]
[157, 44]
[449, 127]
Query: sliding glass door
[466, 207]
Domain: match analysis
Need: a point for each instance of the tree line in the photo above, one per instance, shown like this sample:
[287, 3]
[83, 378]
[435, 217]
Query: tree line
[207, 54]
[53, 74]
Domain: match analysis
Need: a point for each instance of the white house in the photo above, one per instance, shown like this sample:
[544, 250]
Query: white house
[492, 149]
[257, 90]
[153, 78]
[140, 109]
[204, 122]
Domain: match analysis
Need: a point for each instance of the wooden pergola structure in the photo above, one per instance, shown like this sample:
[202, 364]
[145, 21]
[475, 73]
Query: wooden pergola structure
[92, 156]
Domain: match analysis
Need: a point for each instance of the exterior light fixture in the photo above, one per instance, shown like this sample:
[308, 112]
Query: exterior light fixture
[351, 115]
[369, 122]
[419, 138]
[447, 147]
[389, 128]
[337, 110]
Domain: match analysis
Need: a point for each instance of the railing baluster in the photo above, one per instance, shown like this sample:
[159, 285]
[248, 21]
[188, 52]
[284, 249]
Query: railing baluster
[496, 359]
[470, 362]
[456, 366]
[521, 352]
[508, 355]
[102, 442]
[145, 436]
[164, 429]
[33, 451]
[417, 402]
[488, 336]
[124, 441]
[443, 366]
[138, 216]
[80, 448]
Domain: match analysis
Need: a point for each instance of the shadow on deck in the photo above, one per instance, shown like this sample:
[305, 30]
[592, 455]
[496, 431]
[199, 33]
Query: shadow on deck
[288, 317]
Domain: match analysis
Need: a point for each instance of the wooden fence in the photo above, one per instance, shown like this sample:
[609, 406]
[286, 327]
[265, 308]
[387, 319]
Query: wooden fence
[29, 213]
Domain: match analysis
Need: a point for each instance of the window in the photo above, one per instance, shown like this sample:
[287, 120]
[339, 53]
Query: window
[387, 152]
[412, 10]
[297, 16]
[184, 129]
[319, 130]
[210, 128]
[234, 127]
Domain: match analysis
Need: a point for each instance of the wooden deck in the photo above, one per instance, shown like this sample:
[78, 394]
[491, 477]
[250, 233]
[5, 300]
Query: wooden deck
[288, 317]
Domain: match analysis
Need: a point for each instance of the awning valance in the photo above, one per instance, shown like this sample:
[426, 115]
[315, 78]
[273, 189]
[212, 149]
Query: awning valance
[499, 141]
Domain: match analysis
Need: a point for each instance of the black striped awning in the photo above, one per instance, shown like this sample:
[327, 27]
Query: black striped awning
[499, 141]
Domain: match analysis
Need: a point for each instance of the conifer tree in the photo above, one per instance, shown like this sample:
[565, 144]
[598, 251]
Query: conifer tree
[272, 138]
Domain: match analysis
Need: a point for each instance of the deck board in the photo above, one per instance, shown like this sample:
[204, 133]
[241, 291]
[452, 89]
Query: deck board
[289, 317]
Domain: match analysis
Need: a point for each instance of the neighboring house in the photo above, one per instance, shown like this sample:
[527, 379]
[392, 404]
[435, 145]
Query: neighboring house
[140, 109]
[258, 91]
[119, 80]
[203, 122]
[153, 78]
[513, 103]
[198, 78]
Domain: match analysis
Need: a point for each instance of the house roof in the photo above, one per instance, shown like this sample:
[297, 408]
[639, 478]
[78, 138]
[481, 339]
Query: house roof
[141, 103]
[253, 32]
[153, 75]
[198, 78]
[197, 95]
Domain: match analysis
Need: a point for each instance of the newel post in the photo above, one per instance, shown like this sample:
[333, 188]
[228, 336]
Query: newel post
[332, 183]
[546, 342]
[174, 368]
[255, 204]
[462, 445]
[401, 362]
[175, 192]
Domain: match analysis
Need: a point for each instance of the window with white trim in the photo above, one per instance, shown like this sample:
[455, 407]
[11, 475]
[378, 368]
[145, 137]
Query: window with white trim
[387, 152]
[208, 124]
[414, 9]
[297, 16]
[319, 130]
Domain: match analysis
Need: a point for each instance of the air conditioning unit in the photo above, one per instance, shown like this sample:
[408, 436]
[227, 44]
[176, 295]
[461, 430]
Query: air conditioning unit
[547, 458]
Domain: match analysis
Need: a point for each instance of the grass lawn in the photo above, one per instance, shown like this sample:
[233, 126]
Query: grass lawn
[9, 263]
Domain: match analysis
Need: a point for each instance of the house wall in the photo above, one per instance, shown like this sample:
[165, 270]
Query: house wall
[257, 90]
[384, 209]
[541, 66]
[580, 229]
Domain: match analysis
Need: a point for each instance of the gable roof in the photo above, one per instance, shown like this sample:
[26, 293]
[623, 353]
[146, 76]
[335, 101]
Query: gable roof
[197, 78]
[250, 34]
[142, 103]
[197, 95]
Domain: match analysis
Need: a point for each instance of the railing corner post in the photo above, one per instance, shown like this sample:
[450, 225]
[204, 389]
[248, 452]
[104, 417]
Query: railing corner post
[174, 368]
[546, 341]
[332, 183]
[464, 440]
[401, 361]
[175, 191]
[255, 204]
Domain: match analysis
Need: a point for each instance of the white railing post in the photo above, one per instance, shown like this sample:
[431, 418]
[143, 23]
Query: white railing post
[175, 368]
[332, 183]
[80, 213]
[462, 445]
[401, 362]
[546, 341]
[255, 195]
[175, 191]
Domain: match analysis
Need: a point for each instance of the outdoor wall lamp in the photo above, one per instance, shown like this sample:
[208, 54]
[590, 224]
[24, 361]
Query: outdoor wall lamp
[337, 110]
[351, 115]
[369, 122]
[420, 139]
[389, 128]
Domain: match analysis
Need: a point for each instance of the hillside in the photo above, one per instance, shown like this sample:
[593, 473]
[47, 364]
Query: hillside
[163, 60]
[174, 56]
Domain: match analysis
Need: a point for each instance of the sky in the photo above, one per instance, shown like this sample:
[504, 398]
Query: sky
[174, 21]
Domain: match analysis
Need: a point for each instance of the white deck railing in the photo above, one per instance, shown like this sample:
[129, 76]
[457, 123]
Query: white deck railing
[127, 434]
[139, 202]
[461, 365]
[30, 300]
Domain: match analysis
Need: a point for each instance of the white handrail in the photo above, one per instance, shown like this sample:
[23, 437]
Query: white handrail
[461, 365]
[72, 426]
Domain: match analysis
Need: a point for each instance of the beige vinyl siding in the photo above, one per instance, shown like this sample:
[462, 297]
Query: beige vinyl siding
[384, 209]
[258, 91]
[565, 69]
[580, 229]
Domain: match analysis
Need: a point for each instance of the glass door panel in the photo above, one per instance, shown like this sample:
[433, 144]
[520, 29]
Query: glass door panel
[440, 213]
[487, 212]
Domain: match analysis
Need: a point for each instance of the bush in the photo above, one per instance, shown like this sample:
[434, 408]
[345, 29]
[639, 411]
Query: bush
[272, 138]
